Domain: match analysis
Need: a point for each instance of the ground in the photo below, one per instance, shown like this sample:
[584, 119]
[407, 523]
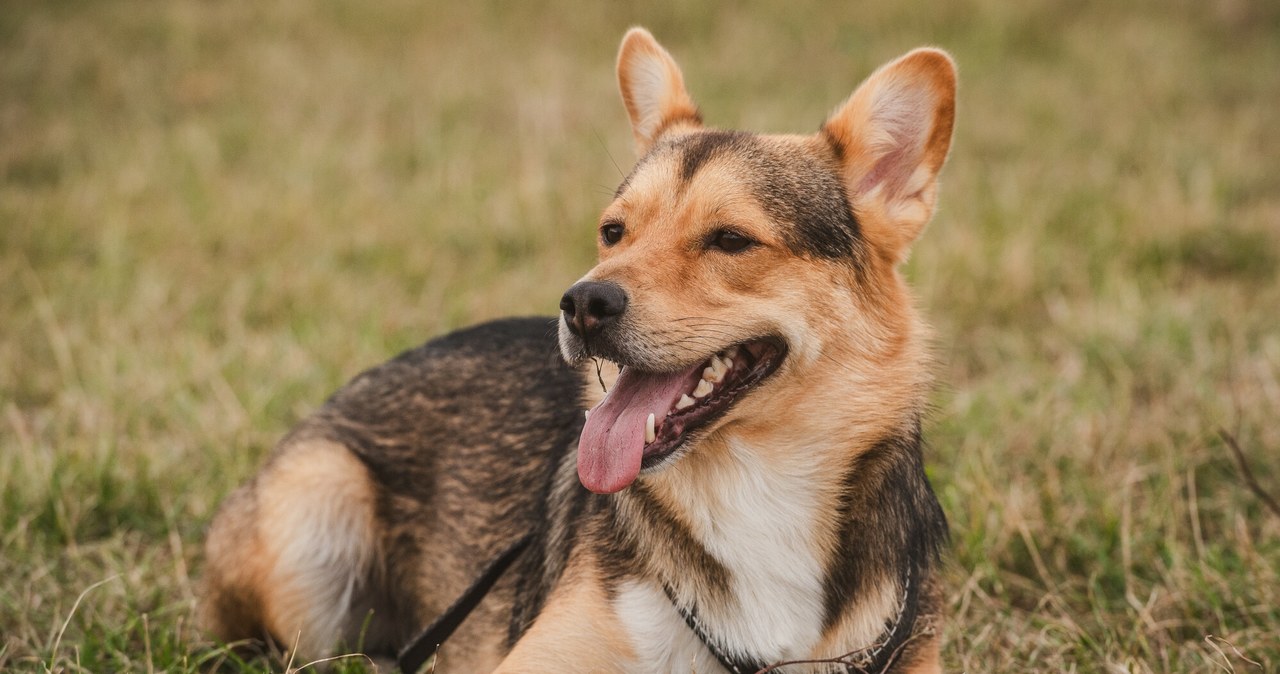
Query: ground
[214, 213]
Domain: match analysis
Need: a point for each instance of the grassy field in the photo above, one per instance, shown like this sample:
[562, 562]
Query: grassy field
[214, 213]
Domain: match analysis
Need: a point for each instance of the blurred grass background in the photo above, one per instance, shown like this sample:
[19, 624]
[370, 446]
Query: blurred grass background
[214, 213]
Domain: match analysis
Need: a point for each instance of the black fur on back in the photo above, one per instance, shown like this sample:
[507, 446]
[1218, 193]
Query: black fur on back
[464, 435]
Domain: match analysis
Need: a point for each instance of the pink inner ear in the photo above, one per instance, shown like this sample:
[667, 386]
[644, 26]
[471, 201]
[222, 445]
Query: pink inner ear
[899, 125]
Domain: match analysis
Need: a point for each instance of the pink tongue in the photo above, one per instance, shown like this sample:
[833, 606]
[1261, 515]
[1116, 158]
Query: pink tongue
[612, 442]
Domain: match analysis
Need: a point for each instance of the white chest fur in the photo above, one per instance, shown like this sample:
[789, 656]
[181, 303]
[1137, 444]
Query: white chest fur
[759, 522]
[658, 634]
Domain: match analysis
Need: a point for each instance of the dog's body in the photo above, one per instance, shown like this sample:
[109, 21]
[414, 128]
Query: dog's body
[756, 464]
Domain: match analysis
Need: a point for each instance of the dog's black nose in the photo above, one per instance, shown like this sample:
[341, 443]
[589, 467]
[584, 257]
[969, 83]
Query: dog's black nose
[590, 305]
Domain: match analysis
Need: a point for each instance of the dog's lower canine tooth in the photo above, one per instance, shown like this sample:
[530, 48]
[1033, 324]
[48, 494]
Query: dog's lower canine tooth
[649, 432]
[586, 414]
[684, 401]
[704, 387]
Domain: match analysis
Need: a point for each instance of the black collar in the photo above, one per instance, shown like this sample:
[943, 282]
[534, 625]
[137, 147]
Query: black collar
[874, 659]
[733, 665]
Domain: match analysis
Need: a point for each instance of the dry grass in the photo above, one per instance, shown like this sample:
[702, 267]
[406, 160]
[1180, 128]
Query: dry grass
[212, 214]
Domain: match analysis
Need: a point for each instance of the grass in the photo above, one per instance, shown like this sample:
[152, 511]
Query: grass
[213, 214]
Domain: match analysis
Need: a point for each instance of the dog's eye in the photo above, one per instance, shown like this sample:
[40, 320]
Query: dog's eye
[611, 233]
[729, 241]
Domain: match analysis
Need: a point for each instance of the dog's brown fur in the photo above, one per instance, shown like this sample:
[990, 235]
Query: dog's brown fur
[788, 520]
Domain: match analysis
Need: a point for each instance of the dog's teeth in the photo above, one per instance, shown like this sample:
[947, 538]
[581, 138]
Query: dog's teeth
[586, 414]
[650, 433]
[721, 367]
[684, 401]
[728, 363]
[704, 387]
[714, 372]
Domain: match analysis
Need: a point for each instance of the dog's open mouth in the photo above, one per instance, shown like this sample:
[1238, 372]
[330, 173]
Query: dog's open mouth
[647, 416]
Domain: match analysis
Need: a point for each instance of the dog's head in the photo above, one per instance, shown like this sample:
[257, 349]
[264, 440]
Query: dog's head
[739, 274]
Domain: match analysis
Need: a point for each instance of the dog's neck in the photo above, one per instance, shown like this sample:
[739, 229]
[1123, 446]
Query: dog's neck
[778, 554]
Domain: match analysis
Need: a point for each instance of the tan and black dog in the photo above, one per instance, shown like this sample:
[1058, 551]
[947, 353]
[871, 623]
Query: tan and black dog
[749, 491]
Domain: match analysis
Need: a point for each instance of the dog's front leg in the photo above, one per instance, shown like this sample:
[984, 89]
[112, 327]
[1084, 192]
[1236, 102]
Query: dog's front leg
[577, 631]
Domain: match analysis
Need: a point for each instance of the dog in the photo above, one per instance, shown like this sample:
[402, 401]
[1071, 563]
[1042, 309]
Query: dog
[749, 491]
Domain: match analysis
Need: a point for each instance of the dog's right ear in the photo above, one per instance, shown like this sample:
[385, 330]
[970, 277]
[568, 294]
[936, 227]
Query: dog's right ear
[653, 90]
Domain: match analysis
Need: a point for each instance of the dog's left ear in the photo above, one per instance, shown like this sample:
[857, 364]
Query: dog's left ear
[652, 89]
[892, 137]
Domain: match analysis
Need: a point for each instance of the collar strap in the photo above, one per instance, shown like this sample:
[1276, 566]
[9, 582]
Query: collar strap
[416, 654]
[733, 665]
[874, 659]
